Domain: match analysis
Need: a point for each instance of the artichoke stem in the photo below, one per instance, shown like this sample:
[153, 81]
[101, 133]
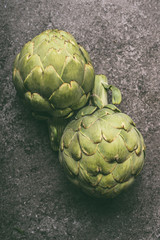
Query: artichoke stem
[56, 127]
[100, 92]
[100, 95]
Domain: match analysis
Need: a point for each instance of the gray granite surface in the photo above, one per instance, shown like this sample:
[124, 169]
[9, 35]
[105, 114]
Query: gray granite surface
[36, 200]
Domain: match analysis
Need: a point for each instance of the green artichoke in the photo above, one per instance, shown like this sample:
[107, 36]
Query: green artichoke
[54, 74]
[101, 150]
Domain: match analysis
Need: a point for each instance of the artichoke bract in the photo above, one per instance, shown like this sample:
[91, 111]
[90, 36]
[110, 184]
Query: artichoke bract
[102, 151]
[54, 74]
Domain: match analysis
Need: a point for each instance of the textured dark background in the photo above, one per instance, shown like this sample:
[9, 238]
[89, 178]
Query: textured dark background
[37, 201]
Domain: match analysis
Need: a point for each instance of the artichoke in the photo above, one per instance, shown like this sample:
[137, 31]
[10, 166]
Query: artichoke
[101, 150]
[55, 76]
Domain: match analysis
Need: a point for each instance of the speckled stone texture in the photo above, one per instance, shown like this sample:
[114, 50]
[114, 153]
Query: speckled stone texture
[37, 201]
